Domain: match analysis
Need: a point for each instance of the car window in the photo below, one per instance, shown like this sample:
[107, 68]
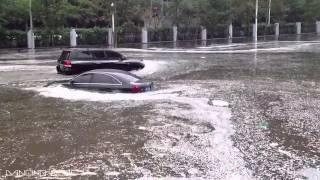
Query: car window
[83, 55]
[98, 55]
[64, 55]
[113, 55]
[128, 77]
[85, 78]
[103, 78]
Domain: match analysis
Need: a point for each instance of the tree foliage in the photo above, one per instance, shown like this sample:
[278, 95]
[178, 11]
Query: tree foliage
[57, 14]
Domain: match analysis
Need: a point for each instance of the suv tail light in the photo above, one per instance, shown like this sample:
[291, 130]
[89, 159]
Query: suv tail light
[136, 89]
[67, 64]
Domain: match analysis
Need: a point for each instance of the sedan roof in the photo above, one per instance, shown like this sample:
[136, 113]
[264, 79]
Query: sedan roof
[114, 72]
[109, 71]
[124, 75]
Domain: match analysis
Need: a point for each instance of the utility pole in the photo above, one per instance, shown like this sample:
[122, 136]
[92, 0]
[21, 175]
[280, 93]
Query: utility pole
[113, 25]
[151, 8]
[30, 35]
[30, 14]
[162, 10]
[256, 23]
[269, 16]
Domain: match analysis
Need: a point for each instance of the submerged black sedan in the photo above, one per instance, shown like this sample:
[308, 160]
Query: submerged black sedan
[76, 61]
[110, 80]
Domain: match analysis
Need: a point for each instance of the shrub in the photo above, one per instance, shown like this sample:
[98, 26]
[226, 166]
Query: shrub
[92, 36]
[13, 39]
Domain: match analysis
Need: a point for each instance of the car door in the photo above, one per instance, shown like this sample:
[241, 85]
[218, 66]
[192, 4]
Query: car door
[113, 60]
[83, 61]
[112, 55]
[99, 59]
[83, 81]
[106, 82]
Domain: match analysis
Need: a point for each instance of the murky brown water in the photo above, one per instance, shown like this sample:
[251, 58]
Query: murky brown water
[273, 95]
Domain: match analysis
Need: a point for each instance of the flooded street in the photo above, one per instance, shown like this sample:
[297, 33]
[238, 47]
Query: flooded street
[220, 111]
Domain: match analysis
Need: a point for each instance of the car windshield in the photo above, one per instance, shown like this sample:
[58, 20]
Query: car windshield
[84, 78]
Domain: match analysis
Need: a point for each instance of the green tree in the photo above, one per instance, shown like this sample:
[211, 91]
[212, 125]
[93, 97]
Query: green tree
[312, 12]
[295, 10]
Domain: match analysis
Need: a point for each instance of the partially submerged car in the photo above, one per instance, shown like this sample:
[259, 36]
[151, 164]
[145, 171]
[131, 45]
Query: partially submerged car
[76, 61]
[110, 80]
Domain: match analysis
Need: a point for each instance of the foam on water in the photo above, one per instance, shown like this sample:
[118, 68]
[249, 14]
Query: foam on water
[8, 68]
[201, 51]
[28, 62]
[214, 148]
[80, 95]
[151, 67]
[309, 173]
[220, 103]
[221, 46]
[275, 46]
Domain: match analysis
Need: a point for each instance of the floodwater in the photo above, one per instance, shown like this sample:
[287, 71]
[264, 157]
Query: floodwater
[219, 111]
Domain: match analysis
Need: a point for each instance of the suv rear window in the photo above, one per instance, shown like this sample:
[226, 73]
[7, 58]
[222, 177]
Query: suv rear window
[64, 55]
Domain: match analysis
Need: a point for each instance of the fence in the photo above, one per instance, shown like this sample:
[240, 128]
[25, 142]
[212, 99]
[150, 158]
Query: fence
[163, 34]
[132, 34]
[129, 33]
[12, 39]
[289, 28]
[218, 31]
[46, 38]
[95, 36]
[308, 28]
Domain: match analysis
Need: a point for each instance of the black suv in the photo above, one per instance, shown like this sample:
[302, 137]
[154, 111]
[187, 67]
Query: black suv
[77, 61]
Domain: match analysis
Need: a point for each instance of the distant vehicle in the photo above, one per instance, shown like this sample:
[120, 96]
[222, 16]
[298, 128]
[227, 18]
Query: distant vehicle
[76, 61]
[110, 80]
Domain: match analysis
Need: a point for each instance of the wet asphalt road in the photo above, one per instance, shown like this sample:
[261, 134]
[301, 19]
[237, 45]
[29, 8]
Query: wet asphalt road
[270, 129]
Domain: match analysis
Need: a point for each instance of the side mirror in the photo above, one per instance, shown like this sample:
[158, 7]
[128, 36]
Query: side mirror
[71, 82]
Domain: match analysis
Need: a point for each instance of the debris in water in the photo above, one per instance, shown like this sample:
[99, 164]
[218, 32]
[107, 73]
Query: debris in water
[310, 173]
[142, 128]
[193, 171]
[285, 152]
[274, 144]
[219, 103]
[264, 125]
[114, 173]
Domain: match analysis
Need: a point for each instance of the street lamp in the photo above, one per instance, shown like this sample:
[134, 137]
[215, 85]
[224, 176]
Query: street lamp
[113, 25]
[151, 4]
[30, 35]
[30, 14]
[269, 12]
[112, 5]
[256, 23]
